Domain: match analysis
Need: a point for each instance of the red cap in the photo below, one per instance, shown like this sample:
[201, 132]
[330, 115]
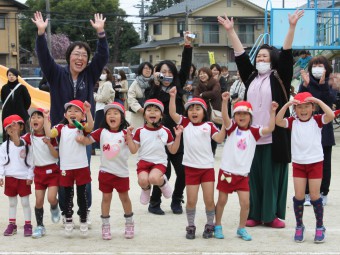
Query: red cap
[114, 105]
[196, 100]
[33, 110]
[12, 119]
[155, 102]
[76, 103]
[301, 97]
[243, 106]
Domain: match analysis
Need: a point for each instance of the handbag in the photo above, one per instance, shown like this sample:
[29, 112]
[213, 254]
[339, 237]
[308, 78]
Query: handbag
[216, 116]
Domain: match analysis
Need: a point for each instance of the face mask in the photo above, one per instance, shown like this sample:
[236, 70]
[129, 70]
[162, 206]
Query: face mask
[103, 77]
[263, 67]
[317, 71]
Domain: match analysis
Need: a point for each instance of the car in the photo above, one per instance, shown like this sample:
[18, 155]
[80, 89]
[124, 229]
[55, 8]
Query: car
[127, 71]
[130, 81]
[33, 81]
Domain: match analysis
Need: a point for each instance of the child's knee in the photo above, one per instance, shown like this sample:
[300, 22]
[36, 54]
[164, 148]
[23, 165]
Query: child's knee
[143, 182]
[25, 202]
[13, 201]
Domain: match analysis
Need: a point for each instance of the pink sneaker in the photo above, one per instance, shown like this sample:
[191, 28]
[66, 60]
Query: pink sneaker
[10, 230]
[166, 189]
[129, 230]
[145, 196]
[276, 223]
[253, 223]
[106, 232]
[27, 230]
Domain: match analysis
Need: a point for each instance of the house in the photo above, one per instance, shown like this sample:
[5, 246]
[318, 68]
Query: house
[9, 32]
[165, 29]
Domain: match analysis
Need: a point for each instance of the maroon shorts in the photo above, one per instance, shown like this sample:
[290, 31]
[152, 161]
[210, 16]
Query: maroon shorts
[195, 176]
[231, 182]
[14, 187]
[79, 176]
[46, 176]
[108, 182]
[144, 166]
[309, 171]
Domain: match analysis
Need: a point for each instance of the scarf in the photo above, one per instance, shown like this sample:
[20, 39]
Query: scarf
[143, 81]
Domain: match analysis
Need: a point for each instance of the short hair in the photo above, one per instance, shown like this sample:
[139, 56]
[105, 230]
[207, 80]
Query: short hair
[13, 71]
[320, 60]
[141, 67]
[171, 66]
[217, 66]
[80, 45]
[224, 68]
[206, 70]
[273, 54]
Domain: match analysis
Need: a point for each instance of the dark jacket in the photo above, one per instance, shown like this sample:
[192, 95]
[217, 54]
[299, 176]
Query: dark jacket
[60, 79]
[211, 93]
[281, 151]
[324, 93]
[18, 103]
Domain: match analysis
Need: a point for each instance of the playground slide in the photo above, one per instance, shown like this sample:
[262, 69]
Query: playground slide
[40, 99]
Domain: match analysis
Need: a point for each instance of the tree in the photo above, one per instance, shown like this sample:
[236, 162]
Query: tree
[160, 5]
[72, 19]
[59, 44]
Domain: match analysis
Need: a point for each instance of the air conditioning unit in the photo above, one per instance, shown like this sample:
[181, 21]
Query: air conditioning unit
[150, 38]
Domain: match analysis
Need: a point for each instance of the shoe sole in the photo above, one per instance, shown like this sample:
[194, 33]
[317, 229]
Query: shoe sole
[14, 232]
[190, 237]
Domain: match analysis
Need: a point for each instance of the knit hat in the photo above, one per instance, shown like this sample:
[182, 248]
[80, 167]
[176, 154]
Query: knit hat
[33, 110]
[114, 105]
[300, 98]
[155, 102]
[12, 119]
[196, 100]
[76, 103]
[243, 106]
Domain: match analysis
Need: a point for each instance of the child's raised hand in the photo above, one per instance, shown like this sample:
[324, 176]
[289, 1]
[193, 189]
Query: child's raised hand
[225, 96]
[173, 91]
[46, 113]
[312, 100]
[275, 105]
[87, 106]
[178, 130]
[47, 140]
[1, 182]
[29, 182]
[129, 132]
[228, 24]
[80, 139]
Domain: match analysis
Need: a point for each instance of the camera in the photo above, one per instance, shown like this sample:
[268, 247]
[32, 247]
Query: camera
[234, 96]
[160, 77]
[193, 36]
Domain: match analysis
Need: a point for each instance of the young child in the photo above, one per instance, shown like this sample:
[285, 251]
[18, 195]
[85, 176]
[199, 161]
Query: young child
[150, 142]
[114, 172]
[237, 156]
[46, 170]
[198, 159]
[73, 160]
[307, 157]
[17, 167]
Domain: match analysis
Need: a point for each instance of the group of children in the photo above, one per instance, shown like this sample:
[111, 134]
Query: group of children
[36, 155]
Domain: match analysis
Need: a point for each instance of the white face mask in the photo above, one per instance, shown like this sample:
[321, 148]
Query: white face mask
[103, 77]
[318, 71]
[263, 67]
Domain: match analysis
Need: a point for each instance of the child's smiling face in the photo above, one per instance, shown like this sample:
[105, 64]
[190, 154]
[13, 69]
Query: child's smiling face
[304, 111]
[37, 123]
[195, 113]
[73, 113]
[242, 119]
[152, 115]
[113, 118]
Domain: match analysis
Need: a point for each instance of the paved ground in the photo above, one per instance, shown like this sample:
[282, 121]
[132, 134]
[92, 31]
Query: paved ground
[166, 234]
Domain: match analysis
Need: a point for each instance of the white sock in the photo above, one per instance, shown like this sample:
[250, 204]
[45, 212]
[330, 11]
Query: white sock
[25, 202]
[13, 201]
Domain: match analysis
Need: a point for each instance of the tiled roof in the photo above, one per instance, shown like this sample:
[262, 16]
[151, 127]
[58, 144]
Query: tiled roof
[159, 43]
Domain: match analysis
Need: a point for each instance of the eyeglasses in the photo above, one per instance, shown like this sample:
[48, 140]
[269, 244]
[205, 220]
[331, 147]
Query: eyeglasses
[79, 55]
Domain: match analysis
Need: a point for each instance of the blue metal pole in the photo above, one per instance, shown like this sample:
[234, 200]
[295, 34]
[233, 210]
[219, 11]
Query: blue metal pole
[266, 19]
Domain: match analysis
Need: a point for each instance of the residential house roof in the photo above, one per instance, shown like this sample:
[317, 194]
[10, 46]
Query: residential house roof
[159, 43]
[18, 4]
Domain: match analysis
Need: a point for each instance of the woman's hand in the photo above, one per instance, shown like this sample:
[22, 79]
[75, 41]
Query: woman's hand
[98, 23]
[323, 77]
[187, 39]
[228, 24]
[38, 20]
[305, 77]
[293, 19]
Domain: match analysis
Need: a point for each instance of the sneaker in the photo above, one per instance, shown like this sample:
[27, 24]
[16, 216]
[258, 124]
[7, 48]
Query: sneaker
[307, 200]
[208, 231]
[10, 230]
[253, 223]
[176, 205]
[155, 208]
[69, 226]
[63, 220]
[324, 199]
[27, 230]
[55, 215]
[84, 228]
[106, 232]
[88, 219]
[145, 196]
[276, 223]
[39, 232]
[299, 236]
[129, 230]
[190, 232]
[242, 232]
[320, 234]
[218, 232]
[166, 188]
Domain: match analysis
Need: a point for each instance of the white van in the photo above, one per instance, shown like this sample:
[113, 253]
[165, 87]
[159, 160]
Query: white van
[127, 71]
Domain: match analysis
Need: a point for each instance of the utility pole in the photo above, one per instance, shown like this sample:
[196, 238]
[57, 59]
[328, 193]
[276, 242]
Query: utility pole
[48, 11]
[142, 7]
[283, 3]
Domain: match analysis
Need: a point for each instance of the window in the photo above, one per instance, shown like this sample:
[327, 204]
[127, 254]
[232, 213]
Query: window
[246, 33]
[228, 3]
[210, 33]
[180, 26]
[2, 21]
[157, 28]
[151, 58]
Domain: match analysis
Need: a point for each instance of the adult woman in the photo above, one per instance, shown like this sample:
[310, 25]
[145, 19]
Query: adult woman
[104, 95]
[191, 83]
[124, 88]
[266, 81]
[14, 97]
[316, 82]
[136, 93]
[216, 72]
[237, 91]
[209, 89]
[159, 90]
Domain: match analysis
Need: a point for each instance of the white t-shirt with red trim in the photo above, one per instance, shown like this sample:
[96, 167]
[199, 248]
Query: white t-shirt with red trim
[114, 151]
[41, 153]
[306, 139]
[197, 143]
[152, 143]
[239, 149]
[71, 153]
